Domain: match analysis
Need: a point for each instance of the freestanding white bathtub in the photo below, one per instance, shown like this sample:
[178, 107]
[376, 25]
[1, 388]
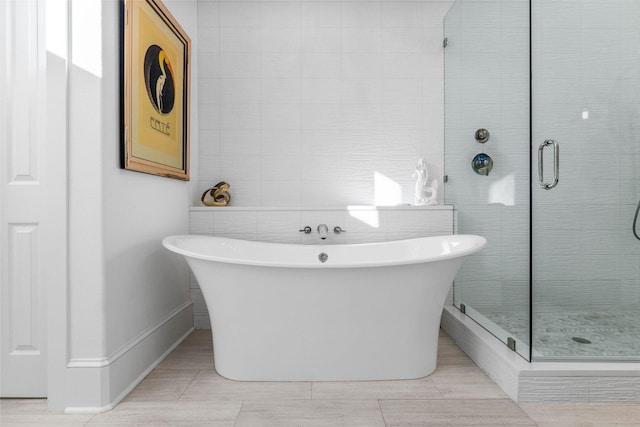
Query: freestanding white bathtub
[369, 312]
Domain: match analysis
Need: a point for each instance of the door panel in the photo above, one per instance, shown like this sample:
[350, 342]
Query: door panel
[24, 218]
[586, 97]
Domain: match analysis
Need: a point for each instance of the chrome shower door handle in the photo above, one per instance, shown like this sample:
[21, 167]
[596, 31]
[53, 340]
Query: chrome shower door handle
[556, 164]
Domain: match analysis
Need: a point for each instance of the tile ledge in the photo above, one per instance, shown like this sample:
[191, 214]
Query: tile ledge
[324, 208]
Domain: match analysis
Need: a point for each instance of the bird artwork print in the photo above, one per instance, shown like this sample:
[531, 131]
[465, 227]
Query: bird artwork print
[159, 79]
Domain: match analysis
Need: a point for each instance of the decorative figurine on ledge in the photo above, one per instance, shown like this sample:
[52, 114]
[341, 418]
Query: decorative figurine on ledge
[432, 199]
[218, 194]
[421, 189]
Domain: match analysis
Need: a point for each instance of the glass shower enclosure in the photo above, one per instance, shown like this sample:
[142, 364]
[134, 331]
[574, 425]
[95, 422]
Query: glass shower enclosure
[556, 85]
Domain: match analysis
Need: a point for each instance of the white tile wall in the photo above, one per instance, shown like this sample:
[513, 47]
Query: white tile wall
[286, 84]
[282, 225]
[363, 223]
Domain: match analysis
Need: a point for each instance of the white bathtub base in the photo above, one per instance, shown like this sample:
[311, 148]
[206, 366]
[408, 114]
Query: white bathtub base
[541, 381]
[332, 325]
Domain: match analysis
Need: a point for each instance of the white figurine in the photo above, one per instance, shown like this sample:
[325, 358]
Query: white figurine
[422, 176]
[421, 190]
[433, 191]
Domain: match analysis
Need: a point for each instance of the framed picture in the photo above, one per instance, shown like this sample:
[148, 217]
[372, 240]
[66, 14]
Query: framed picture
[156, 55]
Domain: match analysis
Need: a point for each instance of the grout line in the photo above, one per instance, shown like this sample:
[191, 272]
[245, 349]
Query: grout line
[235, 423]
[437, 388]
[381, 413]
[188, 385]
[91, 419]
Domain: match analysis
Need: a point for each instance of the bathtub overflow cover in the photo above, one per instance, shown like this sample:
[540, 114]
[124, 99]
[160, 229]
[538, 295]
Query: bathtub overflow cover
[323, 257]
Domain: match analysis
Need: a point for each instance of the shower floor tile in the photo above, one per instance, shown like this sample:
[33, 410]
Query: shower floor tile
[612, 335]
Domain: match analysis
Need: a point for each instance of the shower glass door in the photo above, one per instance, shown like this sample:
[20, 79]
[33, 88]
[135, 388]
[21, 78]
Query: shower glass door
[487, 87]
[585, 104]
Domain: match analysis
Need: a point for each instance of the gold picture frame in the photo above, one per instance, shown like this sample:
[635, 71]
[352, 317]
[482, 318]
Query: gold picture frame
[155, 89]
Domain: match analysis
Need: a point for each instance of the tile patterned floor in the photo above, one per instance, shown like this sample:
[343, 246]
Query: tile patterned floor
[607, 331]
[184, 390]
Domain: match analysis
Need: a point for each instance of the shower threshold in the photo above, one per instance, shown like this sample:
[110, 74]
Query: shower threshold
[534, 381]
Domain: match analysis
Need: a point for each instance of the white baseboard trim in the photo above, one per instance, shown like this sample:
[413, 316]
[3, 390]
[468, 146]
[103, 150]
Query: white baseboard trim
[99, 362]
[106, 381]
[118, 399]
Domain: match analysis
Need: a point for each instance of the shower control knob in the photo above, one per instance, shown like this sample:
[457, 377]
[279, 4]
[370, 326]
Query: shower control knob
[482, 136]
[482, 164]
[306, 230]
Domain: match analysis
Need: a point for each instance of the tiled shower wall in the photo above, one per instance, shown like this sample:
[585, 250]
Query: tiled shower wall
[316, 103]
[282, 225]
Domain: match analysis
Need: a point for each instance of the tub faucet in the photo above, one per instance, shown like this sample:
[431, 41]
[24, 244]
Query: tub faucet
[323, 230]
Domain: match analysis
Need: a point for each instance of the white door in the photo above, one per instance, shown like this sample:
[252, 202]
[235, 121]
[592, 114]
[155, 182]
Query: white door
[29, 181]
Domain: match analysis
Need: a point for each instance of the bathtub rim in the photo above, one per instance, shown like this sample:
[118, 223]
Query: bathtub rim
[477, 243]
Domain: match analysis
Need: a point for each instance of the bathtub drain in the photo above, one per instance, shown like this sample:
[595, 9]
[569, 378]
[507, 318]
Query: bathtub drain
[323, 257]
